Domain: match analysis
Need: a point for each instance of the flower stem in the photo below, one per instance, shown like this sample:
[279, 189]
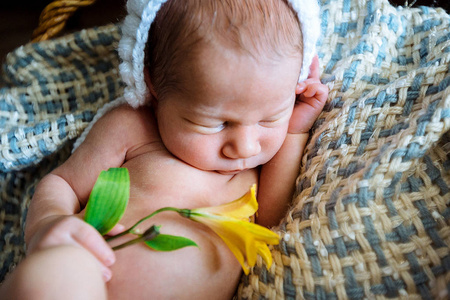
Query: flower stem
[132, 228]
[129, 243]
[148, 235]
[108, 239]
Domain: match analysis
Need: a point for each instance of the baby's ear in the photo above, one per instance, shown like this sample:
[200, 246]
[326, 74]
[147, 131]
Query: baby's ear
[148, 82]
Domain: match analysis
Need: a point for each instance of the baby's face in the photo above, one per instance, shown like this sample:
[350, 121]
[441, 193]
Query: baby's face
[235, 112]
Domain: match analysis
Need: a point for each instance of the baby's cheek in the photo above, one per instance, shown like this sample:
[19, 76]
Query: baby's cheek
[273, 142]
[199, 150]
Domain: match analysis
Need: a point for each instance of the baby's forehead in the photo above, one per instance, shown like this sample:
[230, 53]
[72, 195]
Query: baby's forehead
[218, 70]
[260, 29]
[253, 25]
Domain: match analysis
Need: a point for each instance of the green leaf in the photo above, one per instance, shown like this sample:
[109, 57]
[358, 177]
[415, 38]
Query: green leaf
[164, 242]
[108, 199]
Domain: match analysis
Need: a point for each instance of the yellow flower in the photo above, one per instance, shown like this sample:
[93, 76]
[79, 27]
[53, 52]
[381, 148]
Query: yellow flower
[231, 222]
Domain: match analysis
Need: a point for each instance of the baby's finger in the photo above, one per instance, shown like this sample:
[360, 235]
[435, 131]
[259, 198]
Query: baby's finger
[301, 86]
[314, 70]
[106, 273]
[316, 90]
[89, 238]
[69, 230]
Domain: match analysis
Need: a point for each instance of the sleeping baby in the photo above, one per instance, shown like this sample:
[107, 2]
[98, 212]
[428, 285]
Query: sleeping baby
[220, 95]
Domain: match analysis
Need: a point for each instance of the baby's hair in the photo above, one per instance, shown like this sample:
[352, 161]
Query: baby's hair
[260, 28]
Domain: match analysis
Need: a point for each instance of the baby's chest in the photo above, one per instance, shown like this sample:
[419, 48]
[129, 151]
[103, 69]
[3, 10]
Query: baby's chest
[160, 181]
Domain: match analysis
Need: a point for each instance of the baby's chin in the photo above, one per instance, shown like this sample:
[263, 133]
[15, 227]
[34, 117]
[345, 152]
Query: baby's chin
[232, 168]
[231, 172]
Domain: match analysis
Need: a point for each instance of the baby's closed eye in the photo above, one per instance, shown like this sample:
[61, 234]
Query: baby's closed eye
[270, 123]
[207, 127]
[276, 120]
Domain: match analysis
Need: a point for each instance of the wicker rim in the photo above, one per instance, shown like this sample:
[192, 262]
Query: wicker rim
[54, 17]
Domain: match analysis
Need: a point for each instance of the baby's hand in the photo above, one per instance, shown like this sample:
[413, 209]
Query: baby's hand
[312, 95]
[71, 230]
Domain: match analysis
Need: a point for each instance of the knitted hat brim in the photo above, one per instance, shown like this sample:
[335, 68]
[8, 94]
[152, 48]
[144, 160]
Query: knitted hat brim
[141, 14]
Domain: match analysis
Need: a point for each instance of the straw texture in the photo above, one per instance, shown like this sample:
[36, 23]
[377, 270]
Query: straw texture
[54, 17]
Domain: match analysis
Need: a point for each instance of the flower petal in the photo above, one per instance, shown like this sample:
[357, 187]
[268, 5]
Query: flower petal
[241, 208]
[265, 253]
[231, 223]
[234, 239]
[251, 252]
[260, 233]
[237, 253]
[244, 239]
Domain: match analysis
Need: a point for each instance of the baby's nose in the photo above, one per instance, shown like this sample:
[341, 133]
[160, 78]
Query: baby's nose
[243, 142]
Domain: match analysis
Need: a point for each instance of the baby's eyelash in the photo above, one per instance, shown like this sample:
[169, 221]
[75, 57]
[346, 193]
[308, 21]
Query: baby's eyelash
[269, 122]
[209, 128]
[221, 126]
[275, 119]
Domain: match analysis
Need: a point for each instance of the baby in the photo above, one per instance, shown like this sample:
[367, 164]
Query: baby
[228, 93]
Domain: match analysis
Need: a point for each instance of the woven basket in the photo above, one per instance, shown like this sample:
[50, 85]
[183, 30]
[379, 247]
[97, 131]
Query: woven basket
[370, 218]
[54, 17]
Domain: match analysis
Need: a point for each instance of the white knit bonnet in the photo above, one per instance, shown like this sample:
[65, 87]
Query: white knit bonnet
[141, 14]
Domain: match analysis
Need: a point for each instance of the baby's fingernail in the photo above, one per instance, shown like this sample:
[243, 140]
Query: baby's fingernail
[300, 87]
[107, 274]
[109, 260]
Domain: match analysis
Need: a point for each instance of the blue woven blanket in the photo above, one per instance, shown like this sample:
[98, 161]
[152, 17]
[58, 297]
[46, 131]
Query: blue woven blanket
[54, 89]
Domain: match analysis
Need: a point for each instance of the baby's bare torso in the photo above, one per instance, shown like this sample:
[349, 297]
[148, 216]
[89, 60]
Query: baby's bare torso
[158, 179]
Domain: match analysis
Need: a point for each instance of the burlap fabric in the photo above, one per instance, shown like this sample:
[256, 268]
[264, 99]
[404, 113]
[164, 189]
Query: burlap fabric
[370, 217]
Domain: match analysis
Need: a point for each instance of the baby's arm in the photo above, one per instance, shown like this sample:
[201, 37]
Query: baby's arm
[277, 179]
[53, 217]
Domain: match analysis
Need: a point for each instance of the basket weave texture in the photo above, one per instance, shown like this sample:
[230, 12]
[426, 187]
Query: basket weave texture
[55, 16]
[54, 89]
[371, 214]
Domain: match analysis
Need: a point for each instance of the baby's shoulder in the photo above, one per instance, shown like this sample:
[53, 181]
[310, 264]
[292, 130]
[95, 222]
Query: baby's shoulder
[125, 127]
[126, 117]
